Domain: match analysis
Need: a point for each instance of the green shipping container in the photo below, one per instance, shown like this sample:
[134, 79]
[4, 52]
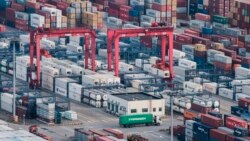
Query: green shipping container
[136, 119]
[220, 19]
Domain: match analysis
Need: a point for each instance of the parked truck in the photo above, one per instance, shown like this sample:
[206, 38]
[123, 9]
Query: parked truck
[136, 119]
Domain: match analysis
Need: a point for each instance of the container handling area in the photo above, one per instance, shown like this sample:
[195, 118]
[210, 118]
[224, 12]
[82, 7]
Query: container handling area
[125, 70]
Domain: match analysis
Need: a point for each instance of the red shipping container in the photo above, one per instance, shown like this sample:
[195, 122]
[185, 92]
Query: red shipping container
[200, 108]
[18, 7]
[34, 5]
[244, 102]
[178, 45]
[10, 14]
[222, 66]
[184, 39]
[232, 122]
[218, 135]
[192, 32]
[211, 120]
[202, 17]
[179, 129]
[229, 53]
[2, 28]
[117, 133]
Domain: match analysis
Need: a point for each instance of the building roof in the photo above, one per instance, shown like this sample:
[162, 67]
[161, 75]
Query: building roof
[136, 96]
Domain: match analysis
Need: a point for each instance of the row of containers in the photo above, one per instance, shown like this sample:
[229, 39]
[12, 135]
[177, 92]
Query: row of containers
[213, 127]
[26, 15]
[99, 135]
[227, 8]
[42, 108]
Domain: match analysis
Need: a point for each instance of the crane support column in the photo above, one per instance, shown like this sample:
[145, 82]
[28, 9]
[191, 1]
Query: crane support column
[170, 52]
[86, 54]
[109, 51]
[163, 51]
[37, 77]
[117, 56]
[93, 51]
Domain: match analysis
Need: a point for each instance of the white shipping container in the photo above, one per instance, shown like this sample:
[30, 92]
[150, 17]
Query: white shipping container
[187, 64]
[222, 58]
[227, 93]
[50, 71]
[177, 54]
[188, 49]
[241, 95]
[246, 89]
[240, 82]
[153, 13]
[242, 72]
[192, 87]
[74, 87]
[75, 96]
[114, 21]
[189, 132]
[61, 91]
[197, 24]
[210, 87]
[63, 82]
[148, 19]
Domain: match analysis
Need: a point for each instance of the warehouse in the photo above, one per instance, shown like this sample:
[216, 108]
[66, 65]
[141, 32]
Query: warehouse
[135, 103]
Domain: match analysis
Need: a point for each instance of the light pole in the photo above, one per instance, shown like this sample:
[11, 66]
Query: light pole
[14, 80]
[172, 118]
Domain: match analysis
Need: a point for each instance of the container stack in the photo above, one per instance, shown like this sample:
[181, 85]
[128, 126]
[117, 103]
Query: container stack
[167, 10]
[241, 19]
[70, 115]
[48, 74]
[220, 23]
[7, 102]
[22, 21]
[221, 7]
[92, 98]
[61, 86]
[54, 21]
[92, 19]
[36, 21]
[46, 16]
[200, 54]
[46, 111]
[77, 8]
[22, 65]
[181, 10]
[75, 91]
[223, 62]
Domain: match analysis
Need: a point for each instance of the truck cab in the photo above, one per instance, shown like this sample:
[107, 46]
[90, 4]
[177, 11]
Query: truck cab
[157, 120]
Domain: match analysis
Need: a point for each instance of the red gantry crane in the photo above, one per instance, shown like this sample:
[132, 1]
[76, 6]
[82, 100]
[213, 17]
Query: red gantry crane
[163, 32]
[35, 38]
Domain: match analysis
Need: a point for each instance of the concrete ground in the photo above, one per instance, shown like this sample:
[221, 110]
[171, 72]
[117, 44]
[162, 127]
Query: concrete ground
[93, 118]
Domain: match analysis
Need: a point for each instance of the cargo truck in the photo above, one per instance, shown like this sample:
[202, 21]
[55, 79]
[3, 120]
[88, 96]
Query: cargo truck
[136, 119]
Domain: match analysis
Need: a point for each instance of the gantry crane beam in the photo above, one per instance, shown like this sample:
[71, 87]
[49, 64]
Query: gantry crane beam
[35, 39]
[164, 32]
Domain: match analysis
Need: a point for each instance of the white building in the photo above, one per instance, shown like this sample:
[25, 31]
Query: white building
[135, 103]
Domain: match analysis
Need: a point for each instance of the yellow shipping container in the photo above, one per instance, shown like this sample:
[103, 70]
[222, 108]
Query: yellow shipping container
[217, 46]
[200, 47]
